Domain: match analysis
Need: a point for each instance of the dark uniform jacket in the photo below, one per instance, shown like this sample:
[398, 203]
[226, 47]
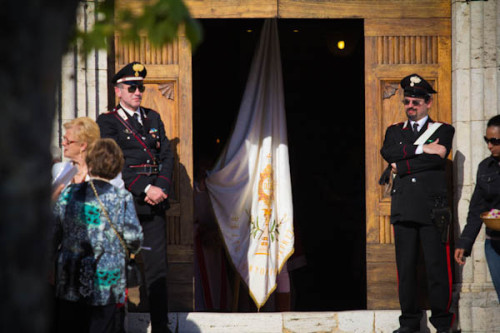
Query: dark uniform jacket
[149, 146]
[420, 184]
[486, 196]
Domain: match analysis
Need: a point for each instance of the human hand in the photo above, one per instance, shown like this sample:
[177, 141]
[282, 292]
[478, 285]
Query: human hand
[149, 201]
[155, 195]
[57, 192]
[434, 148]
[394, 167]
[459, 256]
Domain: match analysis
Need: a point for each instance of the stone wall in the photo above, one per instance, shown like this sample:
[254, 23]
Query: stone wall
[84, 82]
[475, 99]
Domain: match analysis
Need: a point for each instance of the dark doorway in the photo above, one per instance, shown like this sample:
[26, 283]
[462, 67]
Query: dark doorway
[324, 96]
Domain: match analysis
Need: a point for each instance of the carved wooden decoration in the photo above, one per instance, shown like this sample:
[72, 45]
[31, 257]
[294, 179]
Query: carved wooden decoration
[144, 52]
[167, 90]
[394, 50]
[390, 89]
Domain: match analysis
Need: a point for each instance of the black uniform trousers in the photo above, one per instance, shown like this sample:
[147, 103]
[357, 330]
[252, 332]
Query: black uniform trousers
[408, 238]
[77, 317]
[155, 269]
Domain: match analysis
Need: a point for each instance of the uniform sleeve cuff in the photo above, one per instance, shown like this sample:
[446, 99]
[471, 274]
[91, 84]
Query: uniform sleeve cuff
[420, 149]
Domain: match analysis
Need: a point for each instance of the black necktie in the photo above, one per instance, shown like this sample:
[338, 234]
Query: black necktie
[415, 128]
[137, 122]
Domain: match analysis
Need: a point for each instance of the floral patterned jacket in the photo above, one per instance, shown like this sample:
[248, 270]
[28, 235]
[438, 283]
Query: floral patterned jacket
[90, 259]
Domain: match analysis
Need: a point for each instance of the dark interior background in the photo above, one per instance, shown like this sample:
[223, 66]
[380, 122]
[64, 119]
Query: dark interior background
[324, 96]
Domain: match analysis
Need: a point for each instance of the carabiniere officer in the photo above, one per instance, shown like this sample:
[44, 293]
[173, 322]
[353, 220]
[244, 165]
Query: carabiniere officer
[416, 151]
[147, 174]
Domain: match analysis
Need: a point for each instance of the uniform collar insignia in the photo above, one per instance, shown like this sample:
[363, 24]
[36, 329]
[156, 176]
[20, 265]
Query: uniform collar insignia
[122, 114]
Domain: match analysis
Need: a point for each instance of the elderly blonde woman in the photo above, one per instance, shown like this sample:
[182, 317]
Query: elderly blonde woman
[79, 134]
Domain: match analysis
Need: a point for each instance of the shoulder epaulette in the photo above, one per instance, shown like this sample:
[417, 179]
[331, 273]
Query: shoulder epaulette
[401, 124]
[147, 110]
[109, 111]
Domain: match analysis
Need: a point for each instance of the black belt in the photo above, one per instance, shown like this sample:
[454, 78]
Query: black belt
[145, 169]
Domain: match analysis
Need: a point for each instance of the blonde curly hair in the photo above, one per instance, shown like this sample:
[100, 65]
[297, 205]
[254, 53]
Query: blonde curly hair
[84, 128]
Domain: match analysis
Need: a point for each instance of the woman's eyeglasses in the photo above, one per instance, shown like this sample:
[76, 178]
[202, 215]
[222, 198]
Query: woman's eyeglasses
[414, 102]
[66, 141]
[493, 141]
[131, 89]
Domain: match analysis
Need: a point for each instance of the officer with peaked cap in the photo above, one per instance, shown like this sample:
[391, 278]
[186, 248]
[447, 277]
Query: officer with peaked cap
[416, 86]
[416, 151]
[147, 174]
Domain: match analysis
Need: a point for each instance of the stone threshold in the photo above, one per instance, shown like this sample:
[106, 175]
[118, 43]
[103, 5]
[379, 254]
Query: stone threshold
[363, 321]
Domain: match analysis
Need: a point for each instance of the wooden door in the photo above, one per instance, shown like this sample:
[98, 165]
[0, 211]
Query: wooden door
[401, 37]
[395, 48]
[168, 91]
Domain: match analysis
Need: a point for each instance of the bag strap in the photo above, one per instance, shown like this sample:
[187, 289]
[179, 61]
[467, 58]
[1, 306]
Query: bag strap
[109, 220]
[137, 136]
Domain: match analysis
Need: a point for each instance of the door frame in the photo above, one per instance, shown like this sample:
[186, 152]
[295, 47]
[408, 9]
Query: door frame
[382, 18]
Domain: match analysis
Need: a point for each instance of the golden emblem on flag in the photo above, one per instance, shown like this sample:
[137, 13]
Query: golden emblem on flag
[266, 186]
[266, 196]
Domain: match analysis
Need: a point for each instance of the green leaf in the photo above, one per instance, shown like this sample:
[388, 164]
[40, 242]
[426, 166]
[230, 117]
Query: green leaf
[160, 21]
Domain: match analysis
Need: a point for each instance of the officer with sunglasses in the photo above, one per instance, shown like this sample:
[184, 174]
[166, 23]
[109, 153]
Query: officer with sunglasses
[486, 197]
[416, 151]
[147, 174]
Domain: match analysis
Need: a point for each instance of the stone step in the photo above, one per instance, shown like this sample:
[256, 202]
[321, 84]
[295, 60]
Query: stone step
[363, 321]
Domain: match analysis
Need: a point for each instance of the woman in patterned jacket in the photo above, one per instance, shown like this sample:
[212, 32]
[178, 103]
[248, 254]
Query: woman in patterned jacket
[96, 227]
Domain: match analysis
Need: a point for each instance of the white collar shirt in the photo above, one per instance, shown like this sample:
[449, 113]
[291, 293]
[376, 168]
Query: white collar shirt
[131, 113]
[420, 123]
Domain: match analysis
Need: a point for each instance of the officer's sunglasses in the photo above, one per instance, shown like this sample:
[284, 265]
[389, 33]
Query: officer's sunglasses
[493, 141]
[132, 88]
[415, 102]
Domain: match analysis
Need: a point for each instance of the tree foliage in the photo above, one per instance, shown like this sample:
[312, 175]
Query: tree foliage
[35, 35]
[159, 20]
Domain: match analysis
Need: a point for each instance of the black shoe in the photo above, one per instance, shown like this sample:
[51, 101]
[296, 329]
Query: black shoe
[404, 329]
[444, 330]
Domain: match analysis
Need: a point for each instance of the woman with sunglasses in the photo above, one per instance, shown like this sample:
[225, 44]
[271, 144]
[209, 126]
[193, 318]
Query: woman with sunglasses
[486, 197]
[79, 134]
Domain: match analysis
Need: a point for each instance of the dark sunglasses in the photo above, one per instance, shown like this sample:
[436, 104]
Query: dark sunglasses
[131, 89]
[414, 102]
[493, 141]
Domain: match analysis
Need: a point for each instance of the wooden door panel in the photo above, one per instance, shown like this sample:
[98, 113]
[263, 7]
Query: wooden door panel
[168, 91]
[160, 96]
[393, 50]
[362, 8]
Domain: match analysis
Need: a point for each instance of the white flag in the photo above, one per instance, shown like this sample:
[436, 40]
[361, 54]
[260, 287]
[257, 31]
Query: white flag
[250, 186]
